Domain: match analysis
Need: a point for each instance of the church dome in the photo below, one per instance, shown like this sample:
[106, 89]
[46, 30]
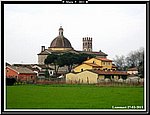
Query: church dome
[60, 41]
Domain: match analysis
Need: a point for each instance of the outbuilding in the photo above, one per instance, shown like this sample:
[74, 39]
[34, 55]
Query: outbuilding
[21, 74]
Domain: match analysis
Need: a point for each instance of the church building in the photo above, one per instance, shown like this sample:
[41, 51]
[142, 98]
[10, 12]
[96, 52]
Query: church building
[61, 44]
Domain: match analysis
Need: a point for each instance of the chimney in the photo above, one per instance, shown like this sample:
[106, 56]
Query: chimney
[42, 48]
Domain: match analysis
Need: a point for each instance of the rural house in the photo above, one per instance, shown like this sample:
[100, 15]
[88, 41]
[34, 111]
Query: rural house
[94, 76]
[42, 70]
[39, 69]
[96, 63]
[94, 70]
[21, 74]
[132, 71]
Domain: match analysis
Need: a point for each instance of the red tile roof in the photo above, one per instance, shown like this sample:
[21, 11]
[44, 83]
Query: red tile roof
[104, 59]
[94, 53]
[102, 72]
[31, 66]
[133, 69]
[93, 65]
[22, 70]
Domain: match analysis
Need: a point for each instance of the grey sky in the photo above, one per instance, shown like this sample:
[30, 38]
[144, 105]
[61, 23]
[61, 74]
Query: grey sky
[116, 29]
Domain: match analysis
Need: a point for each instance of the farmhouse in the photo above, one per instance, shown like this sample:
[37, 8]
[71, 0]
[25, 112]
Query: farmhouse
[94, 76]
[94, 70]
[96, 63]
[132, 71]
[21, 74]
[40, 69]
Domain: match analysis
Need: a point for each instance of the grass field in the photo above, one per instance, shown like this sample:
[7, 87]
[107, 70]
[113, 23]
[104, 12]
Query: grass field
[72, 97]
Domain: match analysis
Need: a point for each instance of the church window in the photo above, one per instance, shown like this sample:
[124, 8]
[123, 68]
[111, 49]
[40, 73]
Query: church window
[89, 49]
[85, 49]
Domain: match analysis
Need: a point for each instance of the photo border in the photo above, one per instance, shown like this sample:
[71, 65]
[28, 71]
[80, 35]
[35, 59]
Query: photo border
[92, 111]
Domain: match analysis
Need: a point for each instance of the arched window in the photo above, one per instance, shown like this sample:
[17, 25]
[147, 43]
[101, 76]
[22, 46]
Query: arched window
[85, 49]
[89, 49]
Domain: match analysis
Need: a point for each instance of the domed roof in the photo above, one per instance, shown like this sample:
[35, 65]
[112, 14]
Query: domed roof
[60, 41]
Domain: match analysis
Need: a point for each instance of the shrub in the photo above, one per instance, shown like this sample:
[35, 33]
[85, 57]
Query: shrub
[124, 77]
[10, 81]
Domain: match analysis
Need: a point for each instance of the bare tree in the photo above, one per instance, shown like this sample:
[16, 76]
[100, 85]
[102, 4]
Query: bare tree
[120, 62]
[133, 59]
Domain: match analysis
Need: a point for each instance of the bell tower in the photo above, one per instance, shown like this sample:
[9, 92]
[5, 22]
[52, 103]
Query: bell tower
[87, 44]
[61, 31]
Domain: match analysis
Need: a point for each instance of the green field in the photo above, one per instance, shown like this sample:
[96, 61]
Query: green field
[72, 97]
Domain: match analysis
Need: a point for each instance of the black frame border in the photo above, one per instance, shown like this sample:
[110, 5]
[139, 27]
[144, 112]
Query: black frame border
[74, 112]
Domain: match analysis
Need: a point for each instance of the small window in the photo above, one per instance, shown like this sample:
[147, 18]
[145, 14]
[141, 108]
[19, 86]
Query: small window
[85, 49]
[93, 61]
[81, 69]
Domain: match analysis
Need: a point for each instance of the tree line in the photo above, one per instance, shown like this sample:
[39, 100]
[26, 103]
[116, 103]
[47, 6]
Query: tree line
[66, 59]
[133, 59]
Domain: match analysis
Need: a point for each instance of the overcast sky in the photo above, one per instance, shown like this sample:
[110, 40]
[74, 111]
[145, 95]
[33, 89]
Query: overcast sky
[116, 29]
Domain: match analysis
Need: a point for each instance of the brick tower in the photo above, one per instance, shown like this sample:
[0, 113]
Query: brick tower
[87, 44]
